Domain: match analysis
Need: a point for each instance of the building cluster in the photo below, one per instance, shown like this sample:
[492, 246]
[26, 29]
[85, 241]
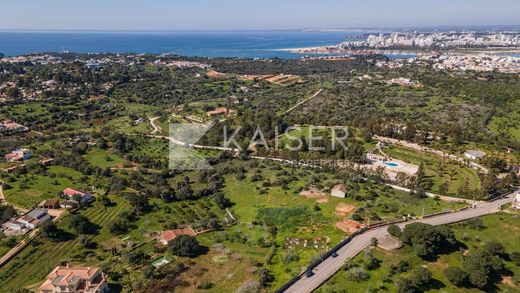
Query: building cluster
[8, 127]
[459, 62]
[75, 197]
[28, 221]
[70, 198]
[188, 64]
[35, 59]
[480, 62]
[18, 155]
[402, 81]
[436, 40]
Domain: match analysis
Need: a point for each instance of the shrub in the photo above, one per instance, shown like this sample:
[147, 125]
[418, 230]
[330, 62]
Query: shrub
[394, 230]
[184, 245]
[357, 274]
[456, 276]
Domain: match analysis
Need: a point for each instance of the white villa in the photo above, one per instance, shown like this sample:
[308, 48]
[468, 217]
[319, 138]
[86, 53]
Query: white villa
[474, 155]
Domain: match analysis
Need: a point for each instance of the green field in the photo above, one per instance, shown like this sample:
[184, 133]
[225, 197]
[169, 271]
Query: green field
[438, 174]
[388, 204]
[104, 158]
[31, 266]
[31, 189]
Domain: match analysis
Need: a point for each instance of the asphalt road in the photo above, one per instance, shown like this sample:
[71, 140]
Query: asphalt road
[331, 265]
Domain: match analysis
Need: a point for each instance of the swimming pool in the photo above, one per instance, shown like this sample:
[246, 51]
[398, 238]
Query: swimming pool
[391, 164]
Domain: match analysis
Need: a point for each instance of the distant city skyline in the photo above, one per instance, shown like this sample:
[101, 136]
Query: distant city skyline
[267, 14]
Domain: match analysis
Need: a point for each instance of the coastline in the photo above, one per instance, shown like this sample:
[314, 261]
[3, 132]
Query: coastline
[417, 52]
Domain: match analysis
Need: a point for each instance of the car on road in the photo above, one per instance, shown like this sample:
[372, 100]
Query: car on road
[309, 273]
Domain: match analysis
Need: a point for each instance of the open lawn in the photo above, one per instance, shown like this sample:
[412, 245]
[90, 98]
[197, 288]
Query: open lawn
[104, 158]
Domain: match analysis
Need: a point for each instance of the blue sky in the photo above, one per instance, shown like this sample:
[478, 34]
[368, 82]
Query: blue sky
[251, 14]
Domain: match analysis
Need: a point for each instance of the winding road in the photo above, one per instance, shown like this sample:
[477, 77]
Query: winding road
[331, 265]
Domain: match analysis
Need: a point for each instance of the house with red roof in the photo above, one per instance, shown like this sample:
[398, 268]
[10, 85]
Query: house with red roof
[9, 127]
[18, 155]
[220, 111]
[75, 280]
[73, 194]
[169, 235]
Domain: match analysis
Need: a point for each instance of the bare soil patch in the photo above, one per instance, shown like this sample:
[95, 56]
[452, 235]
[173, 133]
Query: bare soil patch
[349, 226]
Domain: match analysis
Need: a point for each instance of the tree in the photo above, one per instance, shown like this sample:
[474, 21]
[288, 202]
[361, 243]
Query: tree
[424, 238]
[265, 277]
[420, 173]
[105, 201]
[401, 267]
[184, 191]
[405, 285]
[489, 184]
[49, 230]
[394, 230]
[121, 224]
[81, 224]
[443, 188]
[222, 201]
[6, 213]
[184, 245]
[515, 257]
[421, 277]
[480, 266]
[87, 241]
[138, 202]
[456, 276]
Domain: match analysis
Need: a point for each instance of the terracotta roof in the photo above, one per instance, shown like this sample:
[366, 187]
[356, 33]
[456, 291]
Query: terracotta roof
[71, 192]
[65, 276]
[169, 235]
[340, 187]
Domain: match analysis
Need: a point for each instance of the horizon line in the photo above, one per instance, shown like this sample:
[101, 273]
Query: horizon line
[324, 29]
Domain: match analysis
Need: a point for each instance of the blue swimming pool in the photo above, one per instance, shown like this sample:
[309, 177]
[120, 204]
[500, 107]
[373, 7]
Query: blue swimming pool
[391, 164]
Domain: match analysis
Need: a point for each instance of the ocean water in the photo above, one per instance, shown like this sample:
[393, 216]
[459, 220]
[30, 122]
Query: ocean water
[251, 44]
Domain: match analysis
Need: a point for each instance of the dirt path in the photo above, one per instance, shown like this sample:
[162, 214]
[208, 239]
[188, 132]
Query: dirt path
[155, 127]
[303, 102]
[3, 201]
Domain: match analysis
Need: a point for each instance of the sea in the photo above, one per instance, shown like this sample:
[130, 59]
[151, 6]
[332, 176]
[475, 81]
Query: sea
[211, 44]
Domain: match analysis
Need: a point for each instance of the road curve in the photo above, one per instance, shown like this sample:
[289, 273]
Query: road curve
[331, 265]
